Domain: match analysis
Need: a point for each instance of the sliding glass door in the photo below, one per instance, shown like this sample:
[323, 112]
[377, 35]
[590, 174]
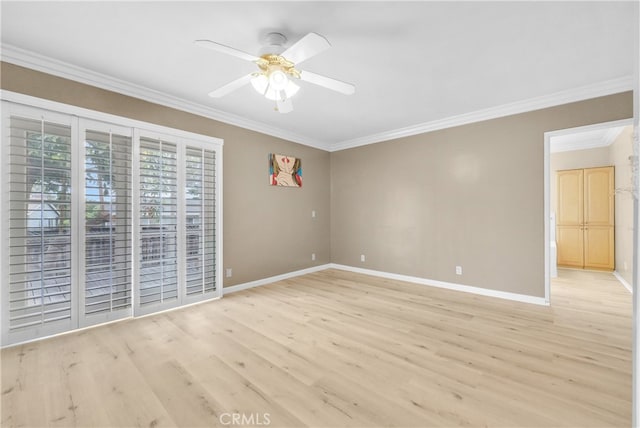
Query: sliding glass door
[200, 222]
[37, 178]
[177, 239]
[106, 241]
[158, 231]
[103, 221]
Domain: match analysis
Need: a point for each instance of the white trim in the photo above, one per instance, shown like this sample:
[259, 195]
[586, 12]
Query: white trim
[413, 279]
[614, 129]
[447, 285]
[135, 220]
[635, 282]
[577, 145]
[21, 57]
[28, 59]
[77, 212]
[271, 279]
[587, 128]
[175, 308]
[613, 133]
[102, 324]
[62, 333]
[181, 219]
[219, 230]
[547, 218]
[5, 225]
[623, 281]
[608, 87]
[586, 143]
[68, 109]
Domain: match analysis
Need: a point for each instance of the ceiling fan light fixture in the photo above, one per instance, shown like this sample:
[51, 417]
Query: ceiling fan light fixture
[291, 89]
[260, 83]
[278, 80]
[277, 69]
[274, 95]
[264, 86]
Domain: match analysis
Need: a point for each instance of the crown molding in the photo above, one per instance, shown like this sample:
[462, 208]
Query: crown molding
[557, 145]
[582, 144]
[28, 59]
[34, 61]
[587, 143]
[611, 135]
[608, 87]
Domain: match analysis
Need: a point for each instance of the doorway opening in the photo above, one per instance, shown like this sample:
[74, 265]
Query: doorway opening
[594, 146]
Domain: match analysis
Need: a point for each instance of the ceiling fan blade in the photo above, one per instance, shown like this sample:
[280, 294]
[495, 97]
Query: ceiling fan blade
[284, 106]
[328, 82]
[308, 46]
[208, 44]
[231, 86]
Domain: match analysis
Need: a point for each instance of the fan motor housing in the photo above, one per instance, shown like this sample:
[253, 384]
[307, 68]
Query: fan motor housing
[272, 62]
[273, 43]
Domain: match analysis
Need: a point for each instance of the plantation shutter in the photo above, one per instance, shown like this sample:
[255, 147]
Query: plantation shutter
[107, 227]
[102, 220]
[158, 274]
[200, 221]
[40, 262]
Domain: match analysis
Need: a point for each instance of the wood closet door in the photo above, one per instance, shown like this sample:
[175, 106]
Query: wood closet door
[585, 218]
[599, 218]
[570, 218]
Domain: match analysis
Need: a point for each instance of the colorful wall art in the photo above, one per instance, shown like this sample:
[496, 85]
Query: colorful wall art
[285, 170]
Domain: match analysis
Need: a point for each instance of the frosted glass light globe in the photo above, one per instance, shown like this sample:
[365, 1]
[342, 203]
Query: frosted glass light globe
[278, 80]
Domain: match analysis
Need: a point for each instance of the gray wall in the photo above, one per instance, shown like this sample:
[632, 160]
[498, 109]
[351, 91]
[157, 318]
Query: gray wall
[471, 196]
[267, 230]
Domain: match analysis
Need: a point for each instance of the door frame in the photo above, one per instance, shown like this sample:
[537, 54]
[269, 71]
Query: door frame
[547, 190]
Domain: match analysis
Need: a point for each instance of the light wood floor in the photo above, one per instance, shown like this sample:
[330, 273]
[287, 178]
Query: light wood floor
[336, 349]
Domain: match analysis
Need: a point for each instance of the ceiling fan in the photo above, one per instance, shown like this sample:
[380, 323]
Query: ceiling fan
[277, 69]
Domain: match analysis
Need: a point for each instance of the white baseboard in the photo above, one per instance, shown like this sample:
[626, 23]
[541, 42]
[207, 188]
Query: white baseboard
[265, 281]
[448, 285]
[413, 279]
[623, 281]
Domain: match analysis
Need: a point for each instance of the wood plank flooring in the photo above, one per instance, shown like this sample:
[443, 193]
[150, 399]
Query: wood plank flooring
[338, 349]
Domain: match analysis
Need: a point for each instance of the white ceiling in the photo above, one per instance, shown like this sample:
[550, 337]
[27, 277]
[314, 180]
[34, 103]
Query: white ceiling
[416, 65]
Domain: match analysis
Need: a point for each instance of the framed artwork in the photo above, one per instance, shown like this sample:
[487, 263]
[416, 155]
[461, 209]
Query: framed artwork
[285, 170]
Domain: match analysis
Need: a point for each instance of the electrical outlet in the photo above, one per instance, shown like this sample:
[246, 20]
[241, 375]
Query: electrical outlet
[458, 270]
[313, 256]
[228, 273]
[362, 257]
[313, 213]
